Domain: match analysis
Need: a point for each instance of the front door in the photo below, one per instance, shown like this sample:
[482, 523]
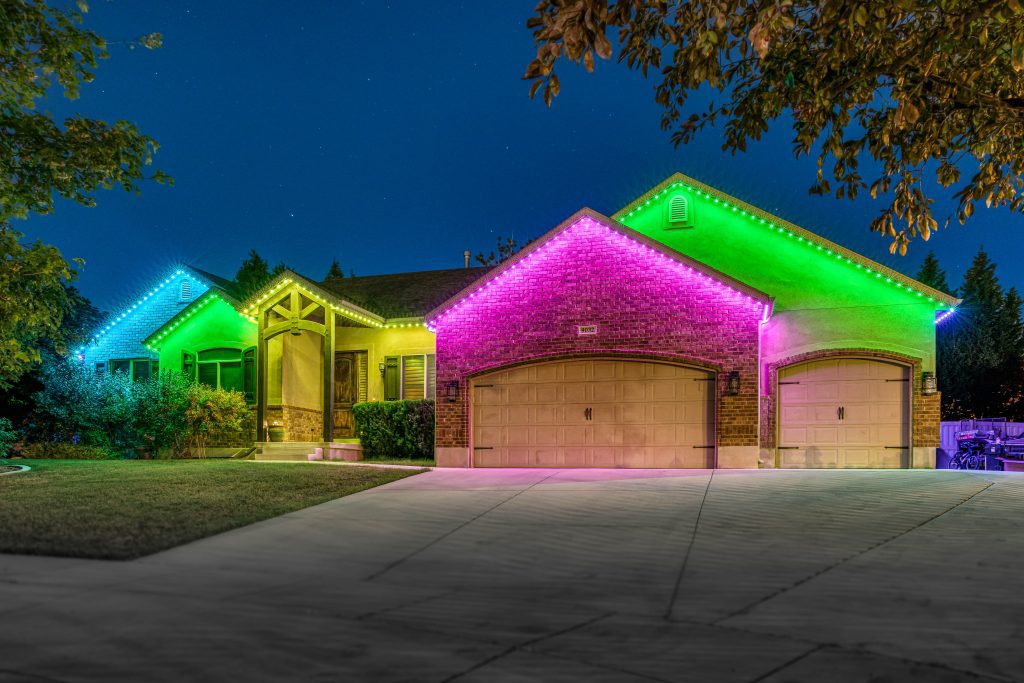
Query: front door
[346, 393]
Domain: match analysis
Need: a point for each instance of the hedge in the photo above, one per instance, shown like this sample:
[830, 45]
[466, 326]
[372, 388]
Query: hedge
[395, 429]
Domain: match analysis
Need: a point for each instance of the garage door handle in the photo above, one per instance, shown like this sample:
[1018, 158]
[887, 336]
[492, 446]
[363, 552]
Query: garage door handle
[789, 448]
[703, 446]
[483, 448]
[898, 448]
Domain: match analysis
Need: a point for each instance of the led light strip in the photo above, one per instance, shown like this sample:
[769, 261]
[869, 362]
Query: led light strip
[564, 236]
[340, 309]
[128, 311]
[944, 315]
[780, 229]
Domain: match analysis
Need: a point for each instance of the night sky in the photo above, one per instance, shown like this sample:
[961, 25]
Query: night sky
[393, 136]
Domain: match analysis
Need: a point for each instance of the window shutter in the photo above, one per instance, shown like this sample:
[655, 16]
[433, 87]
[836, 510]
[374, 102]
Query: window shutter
[188, 364]
[679, 210]
[361, 369]
[431, 376]
[413, 377]
[249, 374]
[391, 378]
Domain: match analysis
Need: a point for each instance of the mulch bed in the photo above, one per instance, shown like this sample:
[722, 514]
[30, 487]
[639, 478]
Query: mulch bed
[9, 468]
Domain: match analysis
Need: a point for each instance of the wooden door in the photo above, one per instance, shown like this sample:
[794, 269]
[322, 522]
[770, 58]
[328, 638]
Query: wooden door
[346, 393]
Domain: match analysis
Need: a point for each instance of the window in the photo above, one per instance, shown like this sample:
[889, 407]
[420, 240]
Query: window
[221, 369]
[101, 368]
[138, 369]
[409, 377]
[679, 210]
[185, 293]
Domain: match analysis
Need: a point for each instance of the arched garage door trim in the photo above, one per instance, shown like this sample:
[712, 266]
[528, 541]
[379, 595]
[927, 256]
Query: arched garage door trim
[771, 422]
[713, 371]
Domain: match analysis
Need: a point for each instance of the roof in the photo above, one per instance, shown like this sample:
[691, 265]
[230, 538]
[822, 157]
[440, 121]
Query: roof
[610, 223]
[404, 295]
[786, 228]
[229, 286]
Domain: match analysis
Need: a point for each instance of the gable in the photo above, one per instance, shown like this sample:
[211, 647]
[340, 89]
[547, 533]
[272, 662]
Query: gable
[213, 315]
[800, 269]
[122, 334]
[590, 268]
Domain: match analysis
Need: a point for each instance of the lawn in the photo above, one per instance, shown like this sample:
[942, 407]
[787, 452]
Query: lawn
[127, 508]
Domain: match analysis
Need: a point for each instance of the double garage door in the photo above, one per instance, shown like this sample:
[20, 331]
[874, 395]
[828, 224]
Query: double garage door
[843, 413]
[594, 413]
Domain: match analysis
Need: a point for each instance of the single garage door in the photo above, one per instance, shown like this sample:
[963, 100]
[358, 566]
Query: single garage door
[844, 412]
[594, 413]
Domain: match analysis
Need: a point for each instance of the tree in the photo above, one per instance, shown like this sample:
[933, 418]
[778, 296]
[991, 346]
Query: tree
[918, 86]
[982, 343]
[278, 269]
[42, 48]
[507, 247]
[335, 273]
[252, 274]
[932, 274]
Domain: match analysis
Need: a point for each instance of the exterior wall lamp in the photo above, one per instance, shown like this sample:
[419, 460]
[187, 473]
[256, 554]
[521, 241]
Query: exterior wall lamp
[733, 386]
[928, 386]
[451, 390]
[382, 368]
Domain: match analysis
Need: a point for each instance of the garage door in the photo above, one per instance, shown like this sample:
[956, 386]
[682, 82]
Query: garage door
[844, 412]
[594, 413]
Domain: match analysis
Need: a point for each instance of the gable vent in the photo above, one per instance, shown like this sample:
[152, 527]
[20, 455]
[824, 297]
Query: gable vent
[186, 289]
[679, 210]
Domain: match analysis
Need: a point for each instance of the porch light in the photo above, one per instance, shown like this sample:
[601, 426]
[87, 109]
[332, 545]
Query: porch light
[451, 390]
[733, 386]
[928, 387]
[382, 369]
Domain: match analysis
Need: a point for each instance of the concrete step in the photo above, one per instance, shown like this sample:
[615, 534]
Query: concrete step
[299, 451]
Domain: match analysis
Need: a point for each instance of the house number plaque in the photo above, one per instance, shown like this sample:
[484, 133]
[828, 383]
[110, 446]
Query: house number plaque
[586, 329]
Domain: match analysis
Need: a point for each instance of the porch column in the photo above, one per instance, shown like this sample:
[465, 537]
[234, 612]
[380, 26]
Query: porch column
[328, 348]
[261, 377]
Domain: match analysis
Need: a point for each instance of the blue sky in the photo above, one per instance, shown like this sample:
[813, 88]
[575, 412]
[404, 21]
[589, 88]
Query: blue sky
[393, 136]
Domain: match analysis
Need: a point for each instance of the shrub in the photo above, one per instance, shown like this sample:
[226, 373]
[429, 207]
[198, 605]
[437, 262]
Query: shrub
[8, 437]
[396, 429]
[171, 413]
[68, 451]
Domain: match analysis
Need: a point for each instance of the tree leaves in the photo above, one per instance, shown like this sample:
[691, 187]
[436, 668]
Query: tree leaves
[914, 85]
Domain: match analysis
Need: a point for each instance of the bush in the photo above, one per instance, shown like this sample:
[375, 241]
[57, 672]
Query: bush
[396, 429]
[68, 451]
[8, 437]
[171, 413]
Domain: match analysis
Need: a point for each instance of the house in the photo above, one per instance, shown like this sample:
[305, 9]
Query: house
[689, 329]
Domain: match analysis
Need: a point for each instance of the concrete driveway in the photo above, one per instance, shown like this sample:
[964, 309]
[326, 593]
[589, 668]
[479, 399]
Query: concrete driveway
[558, 575]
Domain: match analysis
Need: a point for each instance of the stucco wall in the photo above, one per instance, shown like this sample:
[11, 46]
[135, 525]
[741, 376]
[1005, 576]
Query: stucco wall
[124, 339]
[216, 325]
[643, 304]
[302, 371]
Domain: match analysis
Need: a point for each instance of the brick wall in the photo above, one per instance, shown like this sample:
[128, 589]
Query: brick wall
[644, 304]
[124, 339]
[300, 424]
[924, 409]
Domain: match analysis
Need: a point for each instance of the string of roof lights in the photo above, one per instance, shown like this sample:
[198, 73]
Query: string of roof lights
[559, 238]
[183, 317]
[151, 293]
[782, 230]
[340, 309]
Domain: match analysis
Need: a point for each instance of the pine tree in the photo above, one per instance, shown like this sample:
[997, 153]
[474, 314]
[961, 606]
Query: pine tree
[278, 269]
[933, 275]
[252, 274]
[1010, 343]
[973, 359]
[335, 273]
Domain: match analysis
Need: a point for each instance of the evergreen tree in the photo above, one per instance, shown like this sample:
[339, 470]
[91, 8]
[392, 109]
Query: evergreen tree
[932, 274]
[974, 356]
[1010, 343]
[252, 274]
[335, 273]
[278, 269]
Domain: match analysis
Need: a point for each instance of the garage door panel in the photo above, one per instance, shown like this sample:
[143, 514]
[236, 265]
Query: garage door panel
[814, 432]
[641, 414]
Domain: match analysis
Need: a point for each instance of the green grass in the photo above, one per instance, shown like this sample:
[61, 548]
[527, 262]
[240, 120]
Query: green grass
[127, 508]
[418, 462]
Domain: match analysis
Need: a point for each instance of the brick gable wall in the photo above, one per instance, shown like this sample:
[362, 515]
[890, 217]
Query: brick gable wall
[644, 304]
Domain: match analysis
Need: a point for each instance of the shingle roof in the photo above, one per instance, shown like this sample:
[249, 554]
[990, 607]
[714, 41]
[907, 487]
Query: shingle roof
[217, 281]
[403, 295]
